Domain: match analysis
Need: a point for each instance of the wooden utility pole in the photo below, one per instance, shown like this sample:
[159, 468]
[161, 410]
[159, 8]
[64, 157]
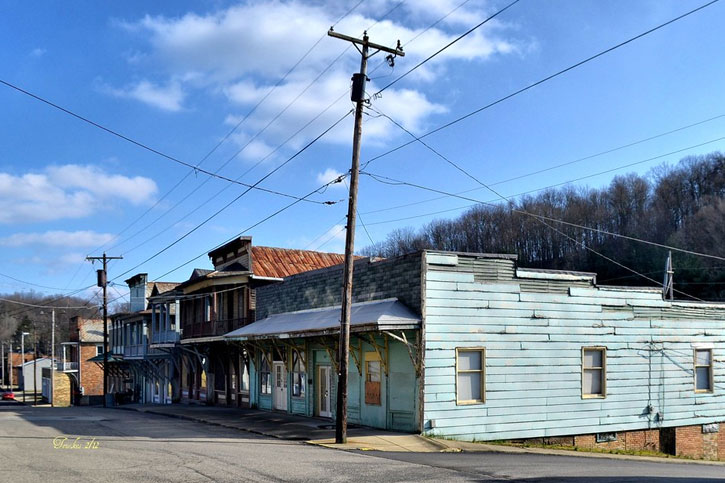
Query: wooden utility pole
[357, 95]
[103, 283]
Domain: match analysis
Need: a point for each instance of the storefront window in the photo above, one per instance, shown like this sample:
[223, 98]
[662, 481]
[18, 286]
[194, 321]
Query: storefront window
[299, 375]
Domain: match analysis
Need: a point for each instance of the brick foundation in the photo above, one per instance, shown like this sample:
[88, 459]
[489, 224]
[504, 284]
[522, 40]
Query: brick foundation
[687, 441]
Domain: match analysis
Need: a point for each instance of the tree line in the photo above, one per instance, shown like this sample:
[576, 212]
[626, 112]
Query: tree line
[681, 205]
[36, 321]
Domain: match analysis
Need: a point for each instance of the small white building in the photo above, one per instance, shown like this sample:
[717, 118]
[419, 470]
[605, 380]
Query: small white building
[27, 381]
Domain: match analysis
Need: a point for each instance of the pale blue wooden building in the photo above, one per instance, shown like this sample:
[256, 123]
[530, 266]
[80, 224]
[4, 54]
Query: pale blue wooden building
[488, 350]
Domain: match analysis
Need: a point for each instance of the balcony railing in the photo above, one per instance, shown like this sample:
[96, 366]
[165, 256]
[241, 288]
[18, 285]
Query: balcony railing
[66, 366]
[165, 337]
[213, 328]
[134, 351]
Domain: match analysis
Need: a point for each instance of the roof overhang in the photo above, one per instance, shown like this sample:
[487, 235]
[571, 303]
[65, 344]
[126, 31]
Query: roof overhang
[378, 315]
[201, 340]
[215, 279]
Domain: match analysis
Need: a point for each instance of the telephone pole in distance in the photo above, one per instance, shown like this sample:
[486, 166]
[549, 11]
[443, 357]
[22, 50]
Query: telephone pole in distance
[357, 95]
[103, 283]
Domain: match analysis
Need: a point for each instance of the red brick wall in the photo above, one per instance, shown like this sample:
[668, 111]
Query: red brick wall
[689, 441]
[647, 440]
[91, 373]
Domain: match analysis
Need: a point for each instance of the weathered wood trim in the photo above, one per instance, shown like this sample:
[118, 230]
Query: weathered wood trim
[482, 372]
[603, 381]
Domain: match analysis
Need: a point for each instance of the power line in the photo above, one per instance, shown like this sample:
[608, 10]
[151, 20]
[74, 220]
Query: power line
[218, 193]
[35, 284]
[393, 181]
[297, 199]
[550, 168]
[238, 124]
[541, 218]
[284, 208]
[628, 165]
[447, 45]
[541, 81]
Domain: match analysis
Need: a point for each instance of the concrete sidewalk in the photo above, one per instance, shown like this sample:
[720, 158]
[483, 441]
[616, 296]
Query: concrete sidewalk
[291, 427]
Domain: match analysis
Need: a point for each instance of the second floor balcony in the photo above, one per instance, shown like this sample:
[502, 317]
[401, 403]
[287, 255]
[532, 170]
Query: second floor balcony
[135, 350]
[165, 337]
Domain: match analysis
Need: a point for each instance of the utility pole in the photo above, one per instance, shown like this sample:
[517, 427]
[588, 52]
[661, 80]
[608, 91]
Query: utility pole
[357, 95]
[10, 363]
[52, 357]
[2, 356]
[22, 361]
[103, 283]
[35, 368]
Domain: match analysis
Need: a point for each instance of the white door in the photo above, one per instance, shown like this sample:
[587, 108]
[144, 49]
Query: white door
[323, 392]
[280, 386]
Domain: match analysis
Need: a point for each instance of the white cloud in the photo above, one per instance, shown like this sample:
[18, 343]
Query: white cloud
[240, 52]
[38, 52]
[67, 191]
[328, 175]
[169, 97]
[57, 238]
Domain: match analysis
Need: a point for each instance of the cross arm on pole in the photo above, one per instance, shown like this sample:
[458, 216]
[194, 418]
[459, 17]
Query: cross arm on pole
[396, 51]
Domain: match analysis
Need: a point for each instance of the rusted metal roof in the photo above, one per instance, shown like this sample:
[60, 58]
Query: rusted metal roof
[283, 262]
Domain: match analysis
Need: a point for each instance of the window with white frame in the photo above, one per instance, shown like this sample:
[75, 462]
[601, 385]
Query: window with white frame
[703, 370]
[99, 349]
[265, 376]
[594, 372]
[298, 374]
[470, 376]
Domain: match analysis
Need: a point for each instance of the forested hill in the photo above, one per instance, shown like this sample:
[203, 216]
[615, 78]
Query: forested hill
[681, 206]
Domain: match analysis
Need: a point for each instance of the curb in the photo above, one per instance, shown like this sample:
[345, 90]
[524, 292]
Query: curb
[488, 448]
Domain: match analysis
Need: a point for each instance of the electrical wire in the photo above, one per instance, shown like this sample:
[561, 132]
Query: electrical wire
[263, 220]
[562, 183]
[541, 218]
[209, 218]
[541, 81]
[472, 29]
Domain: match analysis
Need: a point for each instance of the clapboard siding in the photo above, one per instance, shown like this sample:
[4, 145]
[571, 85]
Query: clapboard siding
[533, 330]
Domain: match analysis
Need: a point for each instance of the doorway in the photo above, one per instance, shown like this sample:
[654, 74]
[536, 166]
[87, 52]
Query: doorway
[323, 392]
[280, 386]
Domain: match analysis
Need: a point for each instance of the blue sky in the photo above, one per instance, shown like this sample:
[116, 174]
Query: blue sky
[178, 76]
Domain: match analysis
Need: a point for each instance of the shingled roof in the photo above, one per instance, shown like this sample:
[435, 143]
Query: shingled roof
[283, 262]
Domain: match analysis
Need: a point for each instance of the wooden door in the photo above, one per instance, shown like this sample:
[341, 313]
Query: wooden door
[280, 386]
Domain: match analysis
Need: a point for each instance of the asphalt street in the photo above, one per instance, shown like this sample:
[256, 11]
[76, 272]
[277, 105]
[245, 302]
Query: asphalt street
[95, 444]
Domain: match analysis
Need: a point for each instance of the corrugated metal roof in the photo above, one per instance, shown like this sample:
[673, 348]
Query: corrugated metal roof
[387, 314]
[283, 262]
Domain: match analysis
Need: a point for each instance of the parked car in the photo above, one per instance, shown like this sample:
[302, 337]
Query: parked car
[8, 396]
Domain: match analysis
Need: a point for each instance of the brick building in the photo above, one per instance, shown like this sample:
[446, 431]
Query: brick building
[86, 342]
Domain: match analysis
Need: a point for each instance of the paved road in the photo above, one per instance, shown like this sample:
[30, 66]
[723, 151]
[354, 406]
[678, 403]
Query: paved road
[124, 446]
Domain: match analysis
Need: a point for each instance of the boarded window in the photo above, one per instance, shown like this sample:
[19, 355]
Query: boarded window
[594, 369]
[703, 370]
[373, 377]
[470, 376]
